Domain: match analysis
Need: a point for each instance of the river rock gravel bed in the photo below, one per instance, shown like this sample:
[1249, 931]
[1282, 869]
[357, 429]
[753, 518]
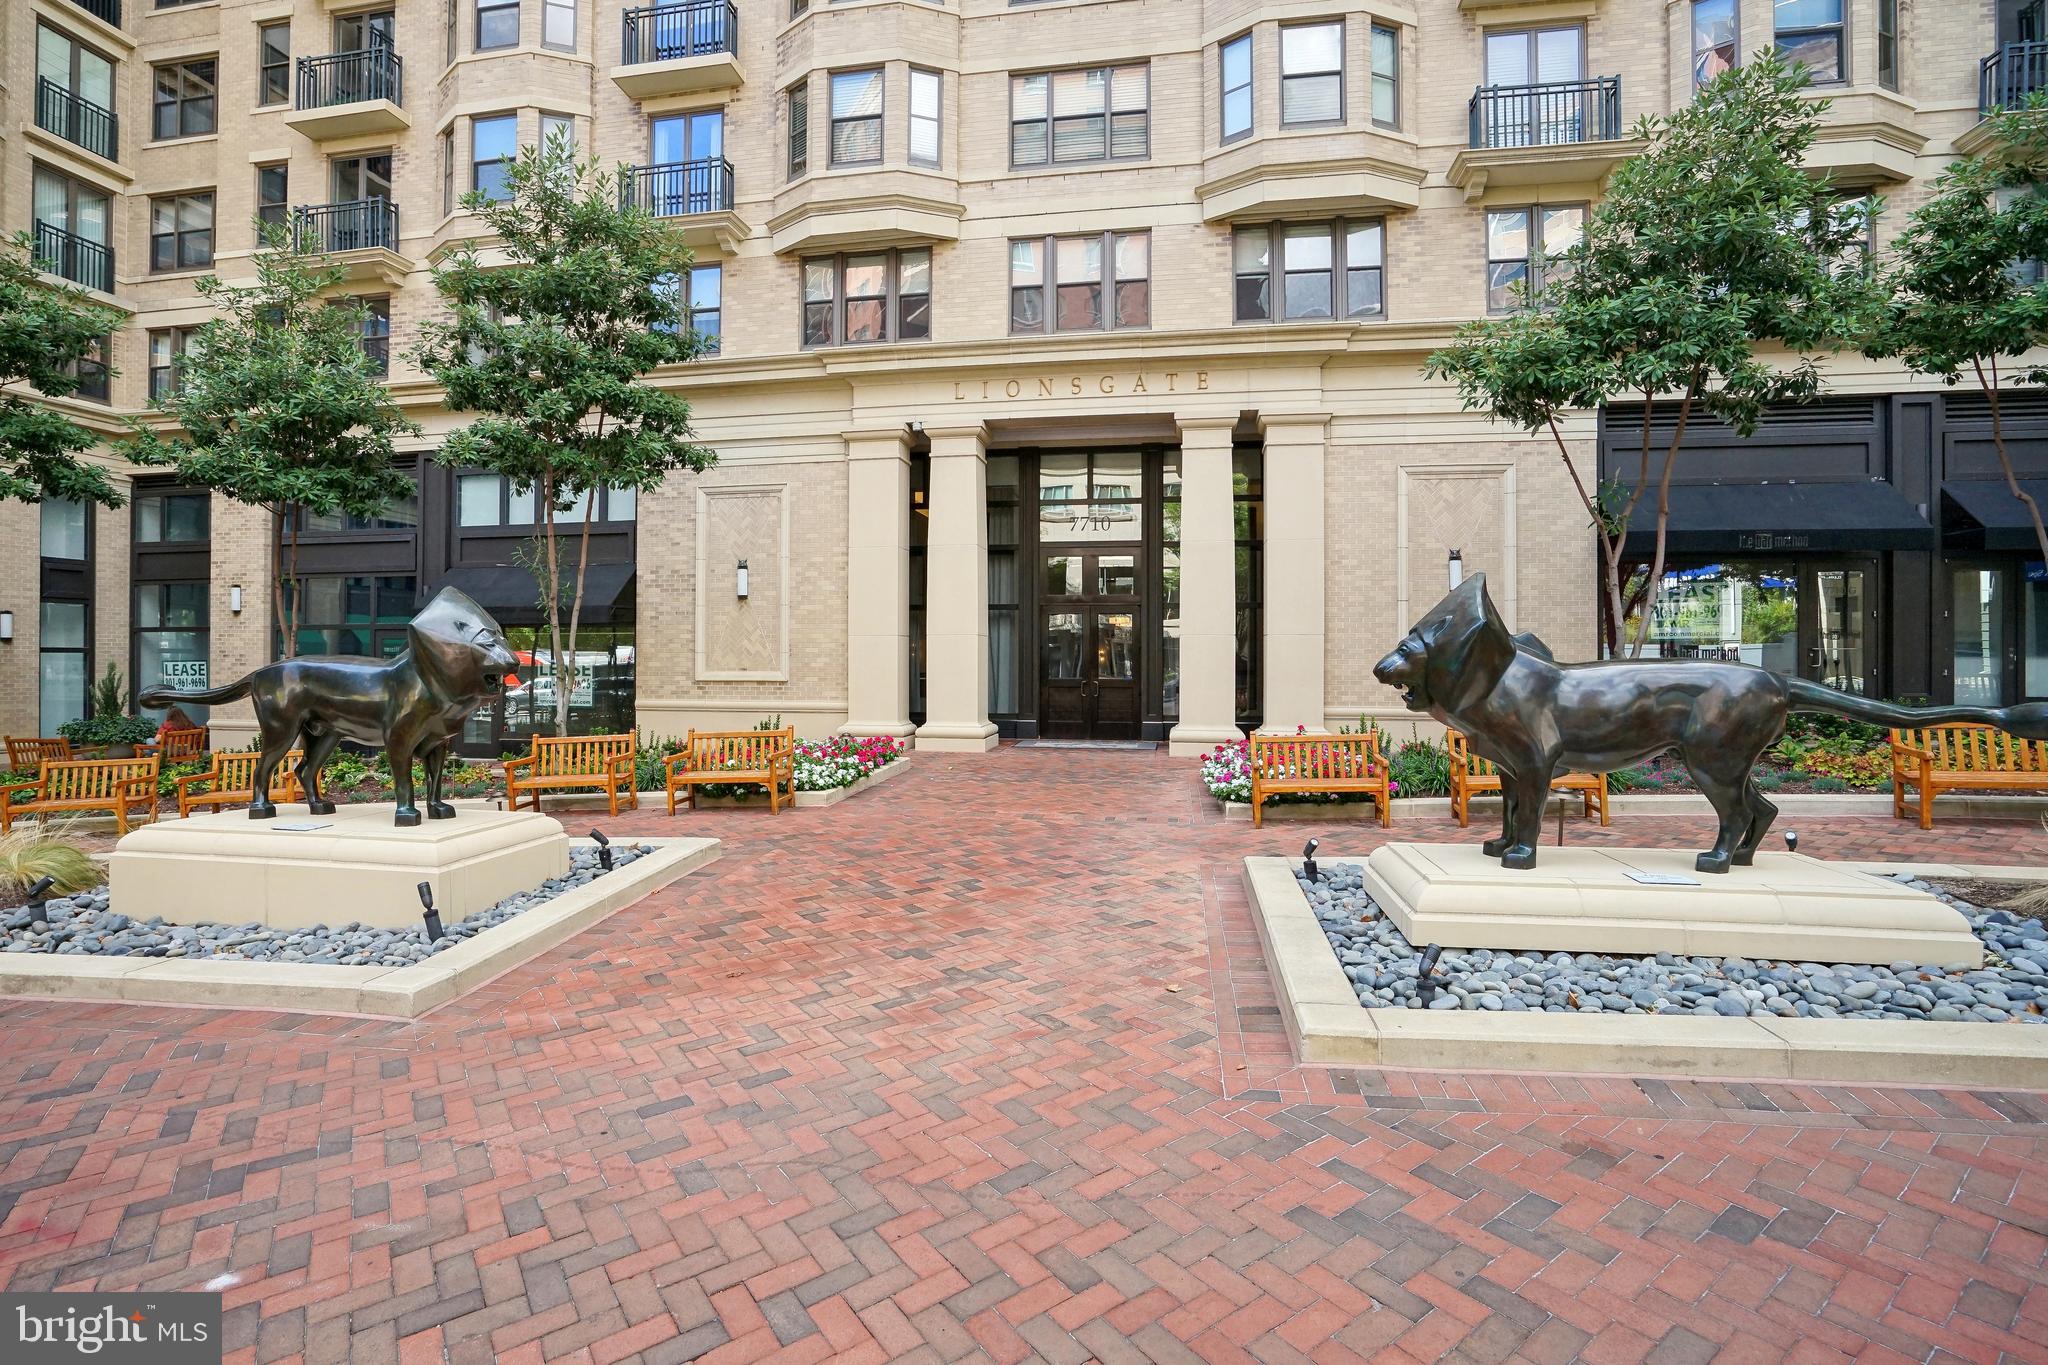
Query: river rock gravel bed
[88, 923]
[1380, 963]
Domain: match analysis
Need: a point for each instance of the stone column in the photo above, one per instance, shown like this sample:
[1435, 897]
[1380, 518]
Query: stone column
[878, 583]
[1295, 566]
[956, 595]
[1208, 589]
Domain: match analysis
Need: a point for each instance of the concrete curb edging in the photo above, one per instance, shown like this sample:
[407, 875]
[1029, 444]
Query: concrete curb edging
[1327, 1026]
[1486, 809]
[329, 988]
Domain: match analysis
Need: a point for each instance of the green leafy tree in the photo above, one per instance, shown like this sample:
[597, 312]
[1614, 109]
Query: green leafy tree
[1713, 274]
[45, 330]
[281, 408]
[1966, 288]
[548, 341]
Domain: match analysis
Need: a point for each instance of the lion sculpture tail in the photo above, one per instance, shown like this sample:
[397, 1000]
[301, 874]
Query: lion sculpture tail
[2028, 720]
[154, 697]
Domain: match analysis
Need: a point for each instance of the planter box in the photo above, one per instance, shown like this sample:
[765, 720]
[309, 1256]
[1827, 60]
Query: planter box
[804, 800]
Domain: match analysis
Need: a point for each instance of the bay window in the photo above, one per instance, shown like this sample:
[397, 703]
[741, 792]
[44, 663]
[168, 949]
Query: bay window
[1316, 271]
[868, 296]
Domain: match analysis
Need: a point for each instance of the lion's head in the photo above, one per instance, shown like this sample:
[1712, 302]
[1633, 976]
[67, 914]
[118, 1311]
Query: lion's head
[459, 649]
[1455, 654]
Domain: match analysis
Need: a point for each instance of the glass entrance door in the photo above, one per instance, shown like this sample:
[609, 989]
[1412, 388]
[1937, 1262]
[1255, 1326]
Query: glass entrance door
[1090, 645]
[1838, 648]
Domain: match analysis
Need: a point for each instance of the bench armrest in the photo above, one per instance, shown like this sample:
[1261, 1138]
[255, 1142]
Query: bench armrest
[1922, 754]
[669, 761]
[135, 787]
[8, 792]
[511, 763]
[194, 779]
[622, 764]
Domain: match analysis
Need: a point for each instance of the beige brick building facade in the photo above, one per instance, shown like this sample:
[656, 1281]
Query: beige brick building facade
[853, 478]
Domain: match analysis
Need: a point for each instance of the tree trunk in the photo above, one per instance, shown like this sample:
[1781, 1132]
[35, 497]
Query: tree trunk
[553, 597]
[2012, 482]
[582, 566]
[291, 630]
[1642, 631]
[277, 586]
[1610, 546]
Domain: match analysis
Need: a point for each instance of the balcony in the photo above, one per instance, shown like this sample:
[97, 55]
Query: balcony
[2009, 75]
[77, 121]
[345, 94]
[362, 234]
[680, 49]
[698, 192]
[72, 257]
[1555, 133]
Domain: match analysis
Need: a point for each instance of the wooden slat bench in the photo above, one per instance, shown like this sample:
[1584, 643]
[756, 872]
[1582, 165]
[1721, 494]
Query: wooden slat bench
[232, 779]
[1318, 763]
[565, 762]
[736, 757]
[1939, 758]
[177, 746]
[26, 754]
[125, 787]
[1472, 775]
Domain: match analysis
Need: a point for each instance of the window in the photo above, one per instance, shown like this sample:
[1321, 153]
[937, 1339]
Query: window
[400, 514]
[274, 64]
[273, 189]
[62, 666]
[450, 25]
[868, 296]
[492, 143]
[357, 178]
[799, 130]
[78, 103]
[171, 518]
[181, 232]
[1521, 250]
[370, 31]
[63, 528]
[558, 24]
[924, 117]
[71, 220]
[168, 347]
[1095, 114]
[1888, 44]
[1386, 76]
[489, 500]
[856, 117]
[1072, 294]
[448, 172]
[1312, 73]
[376, 331]
[497, 24]
[170, 639]
[184, 99]
[1321, 270]
[1234, 75]
[1810, 32]
[701, 312]
[2025, 273]
[357, 615]
[90, 370]
[1713, 39]
[557, 126]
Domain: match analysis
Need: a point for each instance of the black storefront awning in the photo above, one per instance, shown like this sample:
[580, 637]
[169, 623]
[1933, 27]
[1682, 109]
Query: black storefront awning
[511, 594]
[1768, 518]
[1982, 514]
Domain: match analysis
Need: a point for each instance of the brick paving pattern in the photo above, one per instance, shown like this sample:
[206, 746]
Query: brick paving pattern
[985, 1065]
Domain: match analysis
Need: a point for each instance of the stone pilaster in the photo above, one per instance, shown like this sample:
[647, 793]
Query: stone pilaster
[878, 583]
[1295, 568]
[956, 594]
[1208, 589]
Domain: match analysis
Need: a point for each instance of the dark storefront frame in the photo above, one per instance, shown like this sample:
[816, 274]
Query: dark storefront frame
[65, 581]
[170, 588]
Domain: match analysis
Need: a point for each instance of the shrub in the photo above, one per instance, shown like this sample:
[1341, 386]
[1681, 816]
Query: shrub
[28, 853]
[1631, 779]
[1421, 767]
[1830, 784]
[167, 778]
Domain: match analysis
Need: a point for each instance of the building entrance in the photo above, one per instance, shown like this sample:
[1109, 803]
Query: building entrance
[1091, 644]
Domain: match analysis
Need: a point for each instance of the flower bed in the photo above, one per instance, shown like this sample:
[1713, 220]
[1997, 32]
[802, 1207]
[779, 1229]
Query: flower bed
[822, 765]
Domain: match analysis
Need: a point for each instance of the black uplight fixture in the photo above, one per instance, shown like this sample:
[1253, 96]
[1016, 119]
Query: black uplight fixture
[1308, 858]
[1791, 841]
[38, 900]
[432, 917]
[1425, 972]
[604, 848]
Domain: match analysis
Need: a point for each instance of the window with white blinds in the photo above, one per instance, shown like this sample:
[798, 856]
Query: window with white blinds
[1070, 117]
[1535, 56]
[799, 130]
[856, 117]
[1312, 73]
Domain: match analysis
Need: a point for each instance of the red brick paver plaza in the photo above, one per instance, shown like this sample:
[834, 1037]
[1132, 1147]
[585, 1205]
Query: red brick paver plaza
[985, 1064]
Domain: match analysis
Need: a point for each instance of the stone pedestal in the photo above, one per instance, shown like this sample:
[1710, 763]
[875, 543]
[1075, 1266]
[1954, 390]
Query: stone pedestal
[226, 868]
[1787, 907]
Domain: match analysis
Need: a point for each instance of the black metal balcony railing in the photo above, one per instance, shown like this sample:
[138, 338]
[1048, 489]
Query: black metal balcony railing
[74, 119]
[662, 33]
[109, 10]
[2009, 75]
[355, 226]
[681, 187]
[1553, 114]
[375, 73]
[72, 257]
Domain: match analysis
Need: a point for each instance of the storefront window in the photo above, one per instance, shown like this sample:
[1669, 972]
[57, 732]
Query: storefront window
[600, 689]
[171, 641]
[1004, 590]
[171, 518]
[1747, 613]
[63, 663]
[359, 615]
[1977, 606]
[2036, 612]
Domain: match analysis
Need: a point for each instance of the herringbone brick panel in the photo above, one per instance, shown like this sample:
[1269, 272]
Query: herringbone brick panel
[985, 1064]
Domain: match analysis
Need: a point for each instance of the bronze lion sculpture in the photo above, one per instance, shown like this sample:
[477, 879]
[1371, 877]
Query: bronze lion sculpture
[412, 705]
[1535, 718]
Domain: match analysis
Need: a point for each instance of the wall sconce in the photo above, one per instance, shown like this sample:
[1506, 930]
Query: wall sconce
[235, 599]
[1457, 568]
[740, 586]
[6, 625]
